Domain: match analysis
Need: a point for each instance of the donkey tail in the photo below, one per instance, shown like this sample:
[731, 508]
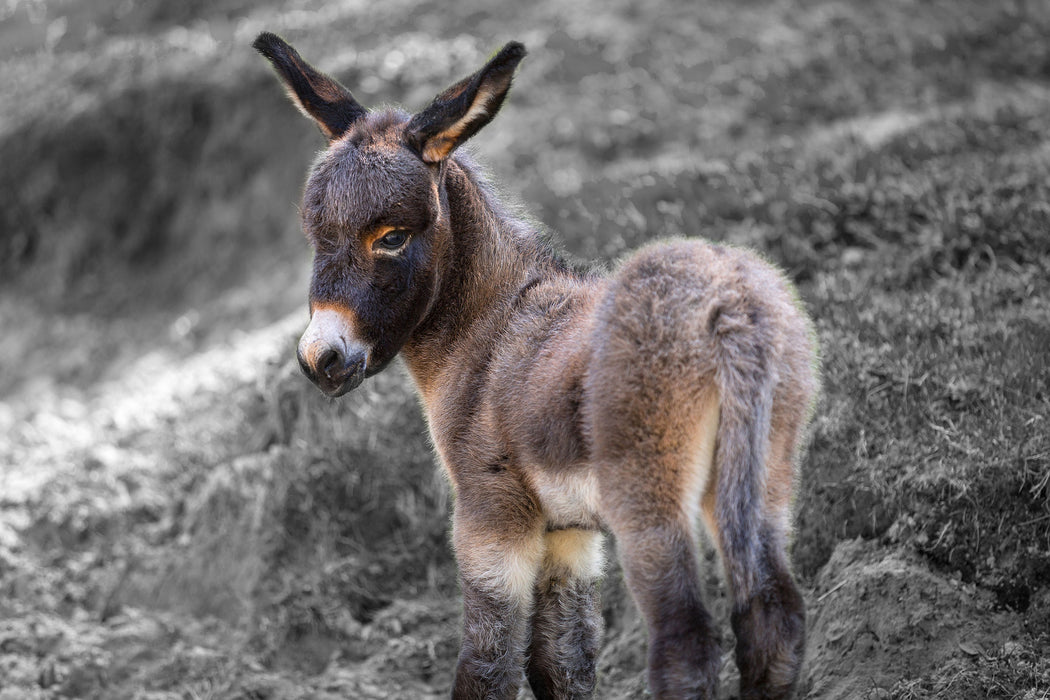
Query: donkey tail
[746, 376]
[768, 612]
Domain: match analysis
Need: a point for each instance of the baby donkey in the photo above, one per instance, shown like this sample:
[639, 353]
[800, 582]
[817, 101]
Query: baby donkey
[563, 402]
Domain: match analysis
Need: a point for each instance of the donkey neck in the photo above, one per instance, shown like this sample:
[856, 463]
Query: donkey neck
[492, 256]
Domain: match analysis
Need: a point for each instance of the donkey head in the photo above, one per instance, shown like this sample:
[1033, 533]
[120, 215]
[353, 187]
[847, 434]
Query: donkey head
[375, 211]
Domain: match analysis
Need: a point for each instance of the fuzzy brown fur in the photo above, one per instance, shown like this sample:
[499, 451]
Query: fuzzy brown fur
[561, 402]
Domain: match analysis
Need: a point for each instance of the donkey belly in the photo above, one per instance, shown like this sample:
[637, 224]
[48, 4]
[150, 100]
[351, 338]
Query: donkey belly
[568, 497]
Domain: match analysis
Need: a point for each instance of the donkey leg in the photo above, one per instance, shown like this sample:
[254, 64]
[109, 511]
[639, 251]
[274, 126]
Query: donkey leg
[656, 463]
[498, 563]
[770, 628]
[768, 615]
[660, 564]
[566, 622]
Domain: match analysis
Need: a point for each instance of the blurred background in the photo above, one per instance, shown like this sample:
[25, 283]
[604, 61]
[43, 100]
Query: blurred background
[183, 516]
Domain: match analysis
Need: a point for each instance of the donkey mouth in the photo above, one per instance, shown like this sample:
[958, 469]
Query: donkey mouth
[343, 381]
[335, 374]
[333, 391]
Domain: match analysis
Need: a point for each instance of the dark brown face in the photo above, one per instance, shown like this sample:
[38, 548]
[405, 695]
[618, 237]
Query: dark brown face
[373, 214]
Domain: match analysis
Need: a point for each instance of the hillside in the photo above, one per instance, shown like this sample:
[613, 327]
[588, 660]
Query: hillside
[183, 516]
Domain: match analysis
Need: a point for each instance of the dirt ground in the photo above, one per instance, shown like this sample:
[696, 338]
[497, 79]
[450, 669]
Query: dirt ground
[183, 516]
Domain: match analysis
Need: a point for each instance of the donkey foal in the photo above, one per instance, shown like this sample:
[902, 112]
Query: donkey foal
[562, 402]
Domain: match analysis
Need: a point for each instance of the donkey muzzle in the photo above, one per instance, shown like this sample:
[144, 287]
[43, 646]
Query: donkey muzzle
[329, 356]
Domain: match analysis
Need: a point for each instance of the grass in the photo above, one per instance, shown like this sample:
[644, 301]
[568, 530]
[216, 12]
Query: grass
[1013, 672]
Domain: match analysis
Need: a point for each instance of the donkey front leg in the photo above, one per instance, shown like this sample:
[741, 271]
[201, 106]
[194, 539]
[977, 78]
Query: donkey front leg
[499, 549]
[567, 621]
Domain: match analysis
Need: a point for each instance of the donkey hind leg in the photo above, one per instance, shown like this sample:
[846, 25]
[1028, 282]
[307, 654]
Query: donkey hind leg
[566, 621]
[498, 568]
[768, 615]
[661, 568]
[650, 498]
[770, 629]
[748, 516]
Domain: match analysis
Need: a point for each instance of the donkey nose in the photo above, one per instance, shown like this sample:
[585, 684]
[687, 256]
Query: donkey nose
[333, 371]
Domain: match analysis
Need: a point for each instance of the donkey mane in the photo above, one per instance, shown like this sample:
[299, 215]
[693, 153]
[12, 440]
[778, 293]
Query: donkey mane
[509, 255]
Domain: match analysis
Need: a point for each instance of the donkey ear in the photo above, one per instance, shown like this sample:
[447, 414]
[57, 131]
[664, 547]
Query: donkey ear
[317, 95]
[459, 112]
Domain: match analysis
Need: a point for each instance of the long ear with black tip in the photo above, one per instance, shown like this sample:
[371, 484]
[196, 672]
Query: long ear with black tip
[317, 95]
[459, 112]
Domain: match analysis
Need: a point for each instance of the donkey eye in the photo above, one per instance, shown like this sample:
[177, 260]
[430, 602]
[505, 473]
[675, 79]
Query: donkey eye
[394, 240]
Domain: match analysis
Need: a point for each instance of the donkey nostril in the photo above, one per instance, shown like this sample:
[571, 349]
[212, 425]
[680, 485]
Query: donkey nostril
[330, 362]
